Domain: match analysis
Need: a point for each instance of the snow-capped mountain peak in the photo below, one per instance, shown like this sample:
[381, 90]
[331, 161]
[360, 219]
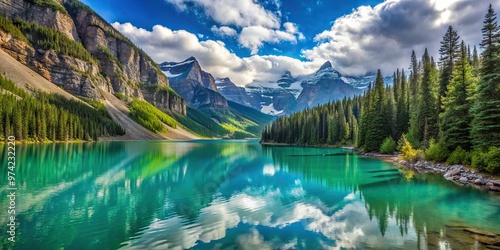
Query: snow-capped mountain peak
[326, 65]
[178, 69]
[327, 69]
[326, 72]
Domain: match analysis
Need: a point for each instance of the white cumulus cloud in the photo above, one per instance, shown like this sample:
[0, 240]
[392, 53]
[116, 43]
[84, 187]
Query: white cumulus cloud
[164, 44]
[224, 31]
[240, 13]
[363, 41]
[258, 25]
[253, 37]
[383, 36]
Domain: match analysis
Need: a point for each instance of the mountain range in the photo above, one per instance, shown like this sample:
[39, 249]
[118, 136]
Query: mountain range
[283, 96]
[63, 49]
[82, 57]
[289, 94]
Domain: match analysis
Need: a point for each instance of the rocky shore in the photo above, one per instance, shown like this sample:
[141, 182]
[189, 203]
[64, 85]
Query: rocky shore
[456, 173]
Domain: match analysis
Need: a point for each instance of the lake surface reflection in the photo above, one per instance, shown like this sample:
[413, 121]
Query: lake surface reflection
[235, 195]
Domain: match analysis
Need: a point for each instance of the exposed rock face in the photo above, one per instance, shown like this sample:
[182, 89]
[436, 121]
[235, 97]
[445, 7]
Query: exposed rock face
[289, 94]
[326, 85]
[189, 69]
[40, 15]
[165, 101]
[196, 86]
[362, 82]
[129, 62]
[275, 98]
[204, 98]
[234, 93]
[286, 80]
[122, 66]
[74, 75]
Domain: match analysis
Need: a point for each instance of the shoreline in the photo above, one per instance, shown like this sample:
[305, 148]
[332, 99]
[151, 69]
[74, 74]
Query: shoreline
[305, 146]
[459, 174]
[120, 139]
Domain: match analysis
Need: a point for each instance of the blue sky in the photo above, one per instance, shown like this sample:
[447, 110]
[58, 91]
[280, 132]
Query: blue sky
[251, 40]
[311, 17]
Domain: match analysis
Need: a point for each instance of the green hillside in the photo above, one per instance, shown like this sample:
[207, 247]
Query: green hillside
[45, 117]
[200, 124]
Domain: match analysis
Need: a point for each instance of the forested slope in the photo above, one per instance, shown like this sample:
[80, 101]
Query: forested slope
[444, 111]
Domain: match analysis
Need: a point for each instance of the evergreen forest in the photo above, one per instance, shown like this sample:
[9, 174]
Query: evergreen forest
[51, 117]
[444, 110]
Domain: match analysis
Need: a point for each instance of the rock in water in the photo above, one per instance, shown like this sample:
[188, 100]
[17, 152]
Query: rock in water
[463, 180]
[478, 182]
[455, 171]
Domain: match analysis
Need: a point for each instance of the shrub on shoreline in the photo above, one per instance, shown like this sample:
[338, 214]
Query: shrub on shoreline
[436, 152]
[388, 146]
[459, 156]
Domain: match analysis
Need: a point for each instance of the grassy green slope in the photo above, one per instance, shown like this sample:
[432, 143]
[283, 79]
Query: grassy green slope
[250, 113]
[244, 122]
[240, 122]
[200, 124]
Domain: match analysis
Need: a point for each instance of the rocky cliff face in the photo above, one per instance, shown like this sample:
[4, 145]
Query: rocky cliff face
[324, 86]
[41, 15]
[277, 97]
[196, 86]
[234, 93]
[286, 80]
[165, 101]
[119, 66]
[189, 69]
[123, 63]
[74, 75]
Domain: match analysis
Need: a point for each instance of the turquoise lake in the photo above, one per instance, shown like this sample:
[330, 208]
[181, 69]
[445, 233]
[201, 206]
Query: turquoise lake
[233, 195]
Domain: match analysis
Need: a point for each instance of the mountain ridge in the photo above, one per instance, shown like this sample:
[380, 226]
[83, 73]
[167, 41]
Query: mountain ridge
[195, 85]
[289, 94]
[73, 48]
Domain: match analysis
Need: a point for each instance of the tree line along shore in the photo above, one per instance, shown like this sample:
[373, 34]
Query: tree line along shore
[444, 111]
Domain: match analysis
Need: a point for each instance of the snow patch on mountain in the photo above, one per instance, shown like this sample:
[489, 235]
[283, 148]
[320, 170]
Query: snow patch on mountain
[325, 72]
[173, 64]
[270, 110]
[170, 75]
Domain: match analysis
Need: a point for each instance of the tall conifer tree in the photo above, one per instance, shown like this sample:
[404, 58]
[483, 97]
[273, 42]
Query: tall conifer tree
[449, 53]
[456, 119]
[486, 123]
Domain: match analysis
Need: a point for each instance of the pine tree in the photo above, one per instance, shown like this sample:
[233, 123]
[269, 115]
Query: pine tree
[389, 111]
[8, 129]
[456, 119]
[395, 84]
[449, 52]
[378, 127]
[486, 123]
[18, 123]
[475, 60]
[365, 117]
[402, 115]
[2, 134]
[414, 82]
[355, 129]
[427, 110]
[469, 54]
